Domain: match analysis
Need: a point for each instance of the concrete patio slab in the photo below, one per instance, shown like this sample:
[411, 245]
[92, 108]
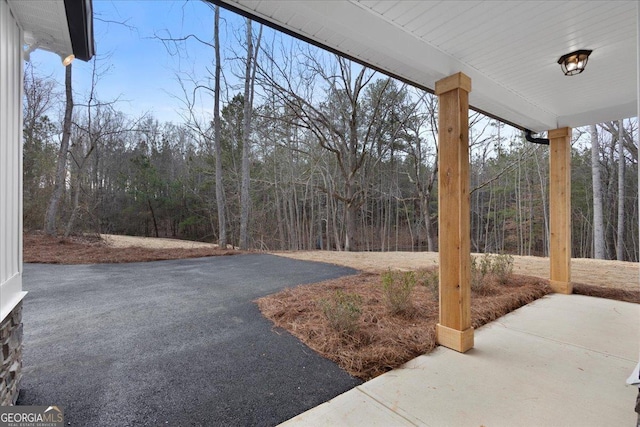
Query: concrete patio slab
[603, 323]
[357, 410]
[560, 361]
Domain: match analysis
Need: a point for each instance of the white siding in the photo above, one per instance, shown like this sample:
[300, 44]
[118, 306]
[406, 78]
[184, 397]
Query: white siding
[11, 69]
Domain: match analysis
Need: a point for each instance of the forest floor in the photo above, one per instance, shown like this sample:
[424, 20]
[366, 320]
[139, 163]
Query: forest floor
[95, 249]
[380, 341]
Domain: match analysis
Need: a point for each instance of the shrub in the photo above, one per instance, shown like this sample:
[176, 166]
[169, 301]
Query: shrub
[397, 288]
[343, 311]
[489, 267]
[430, 279]
[502, 268]
[480, 269]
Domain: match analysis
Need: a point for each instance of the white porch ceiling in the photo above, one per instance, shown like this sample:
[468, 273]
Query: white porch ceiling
[508, 48]
[44, 23]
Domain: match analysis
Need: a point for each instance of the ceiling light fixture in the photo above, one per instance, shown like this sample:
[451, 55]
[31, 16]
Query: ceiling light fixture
[68, 60]
[575, 62]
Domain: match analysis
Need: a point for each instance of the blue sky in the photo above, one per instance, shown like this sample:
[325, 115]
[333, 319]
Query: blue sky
[135, 66]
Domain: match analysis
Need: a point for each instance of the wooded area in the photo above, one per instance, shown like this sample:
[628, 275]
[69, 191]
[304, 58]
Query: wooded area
[311, 152]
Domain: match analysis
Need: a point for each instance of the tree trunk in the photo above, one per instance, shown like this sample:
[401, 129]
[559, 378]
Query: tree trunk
[246, 131]
[350, 221]
[220, 198]
[61, 168]
[621, 161]
[333, 211]
[250, 75]
[351, 207]
[279, 220]
[598, 222]
[74, 212]
[153, 217]
[426, 212]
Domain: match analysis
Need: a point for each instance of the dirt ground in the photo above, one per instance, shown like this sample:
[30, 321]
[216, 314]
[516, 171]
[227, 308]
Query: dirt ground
[152, 242]
[610, 274]
[613, 274]
[92, 249]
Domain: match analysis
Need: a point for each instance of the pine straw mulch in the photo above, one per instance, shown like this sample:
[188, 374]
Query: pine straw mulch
[383, 341]
[40, 248]
[609, 293]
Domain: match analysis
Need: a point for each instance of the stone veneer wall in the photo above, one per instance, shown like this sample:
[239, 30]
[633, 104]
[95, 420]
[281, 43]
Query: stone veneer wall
[11, 356]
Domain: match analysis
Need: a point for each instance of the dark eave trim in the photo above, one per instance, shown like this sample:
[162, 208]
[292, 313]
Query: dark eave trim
[80, 21]
[253, 17]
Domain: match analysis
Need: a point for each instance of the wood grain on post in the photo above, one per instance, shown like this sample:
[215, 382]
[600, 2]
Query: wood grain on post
[454, 237]
[560, 210]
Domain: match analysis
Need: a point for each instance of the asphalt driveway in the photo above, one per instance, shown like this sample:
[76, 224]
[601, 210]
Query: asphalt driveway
[171, 343]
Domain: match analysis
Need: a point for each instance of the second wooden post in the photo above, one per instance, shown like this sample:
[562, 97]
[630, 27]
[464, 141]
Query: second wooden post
[560, 210]
[454, 236]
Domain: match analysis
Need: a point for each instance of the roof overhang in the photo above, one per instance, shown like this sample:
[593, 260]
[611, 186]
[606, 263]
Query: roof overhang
[509, 49]
[64, 27]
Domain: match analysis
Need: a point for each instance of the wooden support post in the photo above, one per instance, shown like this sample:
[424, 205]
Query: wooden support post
[560, 210]
[454, 236]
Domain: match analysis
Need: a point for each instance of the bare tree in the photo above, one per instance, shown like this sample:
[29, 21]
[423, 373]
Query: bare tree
[172, 45]
[84, 151]
[38, 98]
[61, 168]
[621, 162]
[342, 124]
[217, 134]
[38, 153]
[90, 129]
[425, 165]
[598, 219]
[249, 83]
